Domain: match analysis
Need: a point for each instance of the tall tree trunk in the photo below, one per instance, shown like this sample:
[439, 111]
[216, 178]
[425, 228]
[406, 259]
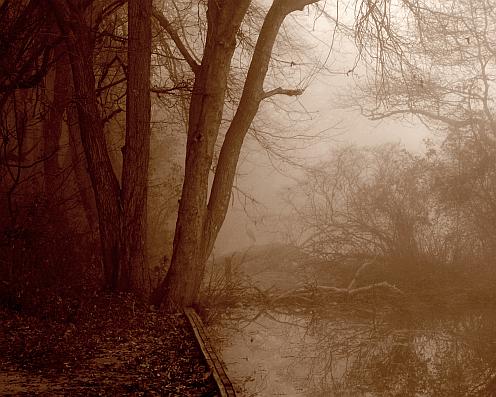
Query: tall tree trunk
[105, 185]
[137, 145]
[79, 166]
[179, 287]
[252, 96]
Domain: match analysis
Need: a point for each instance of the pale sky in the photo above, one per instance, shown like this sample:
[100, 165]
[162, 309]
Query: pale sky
[265, 183]
[323, 99]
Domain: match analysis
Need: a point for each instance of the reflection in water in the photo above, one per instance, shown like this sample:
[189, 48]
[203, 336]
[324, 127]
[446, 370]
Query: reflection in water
[294, 330]
[328, 354]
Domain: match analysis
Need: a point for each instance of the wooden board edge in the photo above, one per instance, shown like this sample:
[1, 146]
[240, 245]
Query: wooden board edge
[225, 386]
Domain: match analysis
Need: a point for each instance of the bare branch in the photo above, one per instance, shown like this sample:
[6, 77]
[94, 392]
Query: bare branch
[166, 25]
[283, 91]
[110, 85]
[424, 113]
[310, 294]
[167, 90]
[111, 115]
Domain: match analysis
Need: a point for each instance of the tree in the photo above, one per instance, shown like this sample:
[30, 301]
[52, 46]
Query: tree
[442, 68]
[80, 43]
[362, 205]
[121, 212]
[464, 178]
[121, 202]
[199, 219]
[79, 51]
[442, 73]
[137, 146]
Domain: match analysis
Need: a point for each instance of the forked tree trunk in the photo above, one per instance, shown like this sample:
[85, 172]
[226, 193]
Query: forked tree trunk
[198, 223]
[185, 274]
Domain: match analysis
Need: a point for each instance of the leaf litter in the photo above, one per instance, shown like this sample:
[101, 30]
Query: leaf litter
[113, 345]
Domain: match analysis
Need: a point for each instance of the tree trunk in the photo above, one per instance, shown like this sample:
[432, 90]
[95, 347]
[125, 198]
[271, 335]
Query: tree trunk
[249, 103]
[137, 146]
[52, 127]
[105, 185]
[79, 166]
[180, 286]
[198, 224]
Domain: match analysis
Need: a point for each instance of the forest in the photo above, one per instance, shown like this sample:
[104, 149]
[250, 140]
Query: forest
[124, 125]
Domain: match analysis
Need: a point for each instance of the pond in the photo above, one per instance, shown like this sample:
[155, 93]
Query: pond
[286, 325]
[325, 353]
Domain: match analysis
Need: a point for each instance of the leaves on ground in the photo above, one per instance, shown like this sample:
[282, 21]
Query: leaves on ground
[113, 346]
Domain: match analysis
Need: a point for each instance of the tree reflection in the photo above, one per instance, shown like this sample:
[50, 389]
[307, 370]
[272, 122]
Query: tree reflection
[358, 358]
[349, 338]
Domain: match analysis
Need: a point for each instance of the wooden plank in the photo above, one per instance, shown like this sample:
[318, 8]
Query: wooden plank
[214, 363]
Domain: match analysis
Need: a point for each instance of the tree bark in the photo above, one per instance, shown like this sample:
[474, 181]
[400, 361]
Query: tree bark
[179, 288]
[251, 97]
[105, 185]
[137, 146]
[80, 168]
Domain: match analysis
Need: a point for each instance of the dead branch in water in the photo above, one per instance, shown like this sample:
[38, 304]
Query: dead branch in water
[321, 292]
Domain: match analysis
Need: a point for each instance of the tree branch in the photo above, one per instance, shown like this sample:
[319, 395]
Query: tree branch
[166, 90]
[283, 91]
[424, 113]
[166, 25]
[110, 85]
[111, 115]
[249, 103]
[312, 294]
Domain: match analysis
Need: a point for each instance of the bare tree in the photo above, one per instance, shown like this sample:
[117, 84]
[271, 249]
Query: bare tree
[377, 208]
[442, 72]
[121, 211]
[442, 69]
[200, 217]
[80, 44]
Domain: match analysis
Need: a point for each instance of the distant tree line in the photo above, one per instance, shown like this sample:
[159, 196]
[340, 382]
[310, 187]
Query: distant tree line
[418, 221]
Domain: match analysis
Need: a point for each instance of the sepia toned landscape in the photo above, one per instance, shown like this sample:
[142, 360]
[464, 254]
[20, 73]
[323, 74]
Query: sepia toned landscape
[251, 198]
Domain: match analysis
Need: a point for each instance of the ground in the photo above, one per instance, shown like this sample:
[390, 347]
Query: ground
[103, 345]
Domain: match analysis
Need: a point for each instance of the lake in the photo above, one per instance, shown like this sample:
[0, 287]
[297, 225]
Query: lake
[316, 355]
[286, 325]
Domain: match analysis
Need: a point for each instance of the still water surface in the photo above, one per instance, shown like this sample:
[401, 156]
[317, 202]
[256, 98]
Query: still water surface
[322, 355]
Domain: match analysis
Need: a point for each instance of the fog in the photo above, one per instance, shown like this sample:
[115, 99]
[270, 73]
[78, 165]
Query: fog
[346, 152]
[348, 273]
[328, 110]
[266, 179]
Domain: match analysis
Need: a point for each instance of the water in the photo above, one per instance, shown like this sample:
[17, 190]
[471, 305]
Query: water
[321, 355]
[260, 357]
[316, 343]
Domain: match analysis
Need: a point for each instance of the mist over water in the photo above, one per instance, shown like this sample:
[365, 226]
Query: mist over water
[265, 178]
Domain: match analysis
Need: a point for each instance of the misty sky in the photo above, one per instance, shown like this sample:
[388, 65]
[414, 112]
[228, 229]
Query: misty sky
[326, 94]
